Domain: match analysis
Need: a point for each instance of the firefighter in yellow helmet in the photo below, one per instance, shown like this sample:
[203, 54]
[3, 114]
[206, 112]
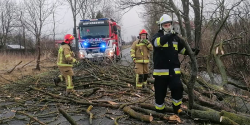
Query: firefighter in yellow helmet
[140, 55]
[65, 63]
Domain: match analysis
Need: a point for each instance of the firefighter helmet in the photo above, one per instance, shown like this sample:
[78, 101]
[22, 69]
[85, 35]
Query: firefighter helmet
[143, 31]
[68, 38]
[165, 19]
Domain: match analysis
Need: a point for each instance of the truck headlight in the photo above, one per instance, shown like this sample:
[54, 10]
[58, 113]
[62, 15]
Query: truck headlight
[81, 54]
[110, 52]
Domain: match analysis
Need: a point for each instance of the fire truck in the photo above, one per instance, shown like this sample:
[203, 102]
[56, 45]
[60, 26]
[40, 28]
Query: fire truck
[99, 38]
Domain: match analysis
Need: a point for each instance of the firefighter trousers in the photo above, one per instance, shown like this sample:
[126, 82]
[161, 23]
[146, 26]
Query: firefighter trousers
[67, 74]
[141, 71]
[174, 83]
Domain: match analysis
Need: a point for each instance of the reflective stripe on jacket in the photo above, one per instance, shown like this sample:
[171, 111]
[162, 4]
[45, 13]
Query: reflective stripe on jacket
[165, 55]
[140, 51]
[65, 56]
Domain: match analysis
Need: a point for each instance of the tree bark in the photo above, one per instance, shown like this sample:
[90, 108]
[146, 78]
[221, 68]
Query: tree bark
[241, 120]
[137, 115]
[177, 13]
[197, 22]
[68, 117]
[185, 4]
[212, 116]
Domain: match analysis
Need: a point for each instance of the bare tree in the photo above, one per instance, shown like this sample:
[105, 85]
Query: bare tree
[7, 20]
[37, 12]
[93, 7]
[21, 18]
[77, 6]
[170, 7]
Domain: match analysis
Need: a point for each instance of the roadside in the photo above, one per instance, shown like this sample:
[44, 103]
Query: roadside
[125, 46]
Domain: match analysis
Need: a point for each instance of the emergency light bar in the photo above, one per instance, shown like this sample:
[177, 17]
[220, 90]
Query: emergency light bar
[96, 19]
[84, 20]
[103, 19]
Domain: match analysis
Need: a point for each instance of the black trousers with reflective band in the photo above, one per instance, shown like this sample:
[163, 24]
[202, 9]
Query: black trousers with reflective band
[162, 83]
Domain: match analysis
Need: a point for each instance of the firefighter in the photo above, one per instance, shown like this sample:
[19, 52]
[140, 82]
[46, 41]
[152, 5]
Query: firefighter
[167, 44]
[140, 55]
[65, 63]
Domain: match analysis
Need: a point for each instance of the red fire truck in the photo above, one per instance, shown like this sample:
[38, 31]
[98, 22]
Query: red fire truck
[99, 38]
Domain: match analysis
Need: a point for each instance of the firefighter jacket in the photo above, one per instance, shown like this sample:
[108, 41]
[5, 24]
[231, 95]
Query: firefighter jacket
[65, 56]
[165, 55]
[140, 51]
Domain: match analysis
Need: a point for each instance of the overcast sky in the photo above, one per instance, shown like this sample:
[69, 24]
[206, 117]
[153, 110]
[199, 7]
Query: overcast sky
[131, 23]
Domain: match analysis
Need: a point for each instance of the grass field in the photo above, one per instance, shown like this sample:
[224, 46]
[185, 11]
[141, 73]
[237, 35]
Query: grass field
[27, 65]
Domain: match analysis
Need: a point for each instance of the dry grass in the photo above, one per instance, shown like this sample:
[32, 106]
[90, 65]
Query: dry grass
[8, 61]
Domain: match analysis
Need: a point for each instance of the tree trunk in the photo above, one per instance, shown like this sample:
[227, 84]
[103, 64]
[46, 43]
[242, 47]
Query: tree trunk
[212, 116]
[241, 120]
[197, 22]
[176, 11]
[185, 4]
[76, 39]
[39, 54]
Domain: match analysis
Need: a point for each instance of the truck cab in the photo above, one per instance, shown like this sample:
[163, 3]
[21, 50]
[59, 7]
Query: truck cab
[99, 38]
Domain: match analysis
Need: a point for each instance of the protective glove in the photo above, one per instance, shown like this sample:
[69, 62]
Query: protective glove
[196, 51]
[76, 62]
[134, 60]
[145, 41]
[173, 32]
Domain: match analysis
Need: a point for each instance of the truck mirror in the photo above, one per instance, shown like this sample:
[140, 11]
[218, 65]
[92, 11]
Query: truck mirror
[115, 28]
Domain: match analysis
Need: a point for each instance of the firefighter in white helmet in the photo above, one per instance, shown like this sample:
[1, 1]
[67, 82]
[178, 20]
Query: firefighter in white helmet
[140, 52]
[167, 45]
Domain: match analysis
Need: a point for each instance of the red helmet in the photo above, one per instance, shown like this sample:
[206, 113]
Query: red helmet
[143, 31]
[68, 38]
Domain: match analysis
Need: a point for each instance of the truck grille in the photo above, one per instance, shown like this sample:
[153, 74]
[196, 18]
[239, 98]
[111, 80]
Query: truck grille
[94, 43]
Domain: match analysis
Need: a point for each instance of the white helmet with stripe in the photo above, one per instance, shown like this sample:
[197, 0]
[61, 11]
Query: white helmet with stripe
[164, 19]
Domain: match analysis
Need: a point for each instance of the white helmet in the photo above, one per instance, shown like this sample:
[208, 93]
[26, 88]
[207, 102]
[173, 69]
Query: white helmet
[164, 19]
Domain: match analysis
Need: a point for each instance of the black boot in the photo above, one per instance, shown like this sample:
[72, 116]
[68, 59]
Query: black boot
[56, 81]
[145, 77]
[176, 109]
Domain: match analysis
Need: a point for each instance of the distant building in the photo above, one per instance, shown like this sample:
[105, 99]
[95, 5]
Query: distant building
[14, 47]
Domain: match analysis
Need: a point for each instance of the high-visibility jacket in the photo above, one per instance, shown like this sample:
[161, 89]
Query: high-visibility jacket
[140, 51]
[65, 56]
[165, 55]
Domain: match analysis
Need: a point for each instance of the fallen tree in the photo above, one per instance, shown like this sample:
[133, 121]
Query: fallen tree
[99, 86]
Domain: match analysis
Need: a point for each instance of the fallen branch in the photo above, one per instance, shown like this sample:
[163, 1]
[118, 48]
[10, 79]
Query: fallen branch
[153, 113]
[213, 116]
[90, 114]
[241, 120]
[65, 115]
[15, 67]
[239, 86]
[137, 115]
[117, 118]
[27, 63]
[75, 101]
[20, 112]
[140, 101]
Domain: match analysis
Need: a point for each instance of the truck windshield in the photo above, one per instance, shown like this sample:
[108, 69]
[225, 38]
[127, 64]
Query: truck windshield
[94, 32]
